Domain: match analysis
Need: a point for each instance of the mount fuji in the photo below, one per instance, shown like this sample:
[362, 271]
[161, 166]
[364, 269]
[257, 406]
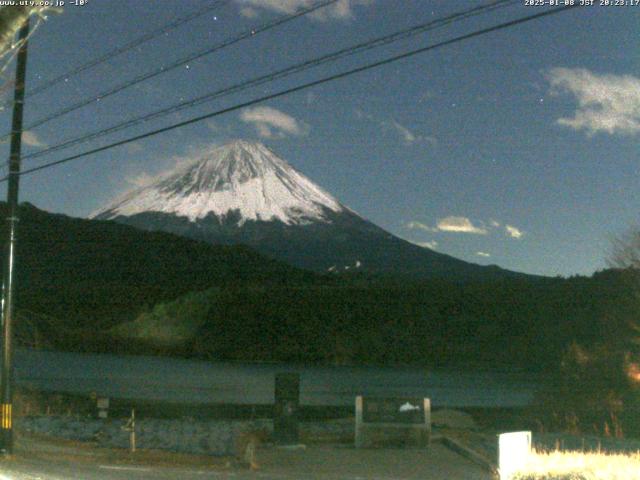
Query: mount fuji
[243, 193]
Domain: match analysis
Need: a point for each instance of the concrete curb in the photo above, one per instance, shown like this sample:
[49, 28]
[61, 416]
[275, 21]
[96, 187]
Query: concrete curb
[469, 453]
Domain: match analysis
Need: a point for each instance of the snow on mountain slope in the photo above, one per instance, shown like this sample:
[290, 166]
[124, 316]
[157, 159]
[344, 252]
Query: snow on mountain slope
[240, 176]
[243, 193]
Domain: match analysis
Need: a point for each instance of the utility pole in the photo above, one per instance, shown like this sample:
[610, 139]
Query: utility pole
[6, 371]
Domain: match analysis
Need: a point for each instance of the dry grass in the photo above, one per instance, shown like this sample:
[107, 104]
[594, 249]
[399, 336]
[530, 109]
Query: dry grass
[581, 466]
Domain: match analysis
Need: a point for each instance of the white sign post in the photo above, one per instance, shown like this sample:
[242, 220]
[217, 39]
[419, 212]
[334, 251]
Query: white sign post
[514, 449]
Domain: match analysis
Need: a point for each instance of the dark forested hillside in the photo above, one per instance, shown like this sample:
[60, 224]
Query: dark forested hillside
[94, 274]
[508, 323]
[98, 285]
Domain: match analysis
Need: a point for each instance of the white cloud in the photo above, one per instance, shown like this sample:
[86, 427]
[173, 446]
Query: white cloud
[141, 179]
[407, 136]
[265, 131]
[449, 224]
[513, 232]
[272, 123]
[341, 10]
[483, 254]
[459, 225]
[32, 140]
[421, 226]
[193, 154]
[432, 244]
[606, 103]
[456, 224]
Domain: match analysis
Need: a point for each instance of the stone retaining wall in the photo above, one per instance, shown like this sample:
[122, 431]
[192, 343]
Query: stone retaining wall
[204, 437]
[209, 437]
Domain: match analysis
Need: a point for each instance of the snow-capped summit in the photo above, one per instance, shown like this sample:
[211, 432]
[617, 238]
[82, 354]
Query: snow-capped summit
[240, 176]
[243, 193]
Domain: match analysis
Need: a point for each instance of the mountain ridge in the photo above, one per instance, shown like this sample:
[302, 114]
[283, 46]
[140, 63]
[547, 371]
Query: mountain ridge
[243, 193]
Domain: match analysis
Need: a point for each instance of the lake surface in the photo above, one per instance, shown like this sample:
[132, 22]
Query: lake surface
[194, 381]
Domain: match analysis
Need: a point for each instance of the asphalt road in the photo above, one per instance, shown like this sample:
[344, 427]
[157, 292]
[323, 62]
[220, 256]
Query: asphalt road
[326, 462]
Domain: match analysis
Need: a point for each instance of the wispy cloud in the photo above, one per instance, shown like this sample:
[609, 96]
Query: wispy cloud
[483, 254]
[405, 134]
[30, 139]
[420, 226]
[459, 225]
[432, 244]
[272, 123]
[341, 10]
[408, 137]
[193, 154]
[141, 179]
[449, 224]
[513, 232]
[606, 103]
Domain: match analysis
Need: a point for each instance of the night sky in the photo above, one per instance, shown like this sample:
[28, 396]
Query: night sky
[518, 148]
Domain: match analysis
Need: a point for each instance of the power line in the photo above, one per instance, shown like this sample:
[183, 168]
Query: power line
[124, 48]
[304, 86]
[297, 68]
[364, 46]
[195, 56]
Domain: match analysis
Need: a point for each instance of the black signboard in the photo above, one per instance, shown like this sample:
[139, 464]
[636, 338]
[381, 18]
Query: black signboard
[404, 410]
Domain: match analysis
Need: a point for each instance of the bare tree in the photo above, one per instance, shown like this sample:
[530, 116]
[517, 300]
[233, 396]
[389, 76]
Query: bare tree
[625, 251]
[625, 256]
